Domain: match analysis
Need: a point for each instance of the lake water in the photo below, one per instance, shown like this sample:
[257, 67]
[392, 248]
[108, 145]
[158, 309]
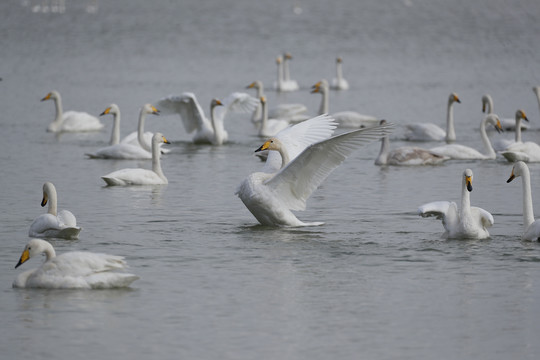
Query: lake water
[375, 282]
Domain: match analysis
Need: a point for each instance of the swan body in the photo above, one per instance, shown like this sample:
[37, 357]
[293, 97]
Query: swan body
[126, 177]
[507, 124]
[462, 152]
[432, 132]
[521, 151]
[57, 224]
[283, 82]
[468, 223]
[70, 121]
[292, 112]
[72, 270]
[270, 127]
[272, 196]
[117, 150]
[531, 227]
[345, 119]
[339, 82]
[406, 155]
[207, 131]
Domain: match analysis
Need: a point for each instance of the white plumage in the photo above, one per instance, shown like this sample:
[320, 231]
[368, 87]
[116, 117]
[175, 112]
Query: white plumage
[339, 82]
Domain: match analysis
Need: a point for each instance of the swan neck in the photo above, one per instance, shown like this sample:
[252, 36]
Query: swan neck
[450, 131]
[465, 198]
[217, 126]
[528, 212]
[264, 120]
[49, 251]
[490, 153]
[518, 129]
[538, 97]
[382, 158]
[156, 162]
[339, 71]
[55, 125]
[323, 108]
[285, 159]
[286, 73]
[489, 105]
[115, 136]
[52, 200]
[279, 75]
[257, 113]
[140, 132]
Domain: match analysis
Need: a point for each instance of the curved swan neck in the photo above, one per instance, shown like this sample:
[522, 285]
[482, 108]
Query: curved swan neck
[489, 104]
[324, 106]
[382, 158]
[115, 136]
[490, 153]
[140, 131]
[55, 125]
[48, 250]
[450, 131]
[50, 192]
[528, 212]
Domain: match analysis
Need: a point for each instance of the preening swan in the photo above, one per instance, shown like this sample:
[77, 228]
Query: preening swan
[406, 155]
[72, 270]
[117, 150]
[345, 119]
[57, 224]
[70, 121]
[521, 151]
[270, 127]
[432, 132]
[290, 112]
[506, 123]
[141, 176]
[462, 152]
[468, 223]
[339, 82]
[531, 227]
[270, 197]
[140, 137]
[283, 82]
[207, 131]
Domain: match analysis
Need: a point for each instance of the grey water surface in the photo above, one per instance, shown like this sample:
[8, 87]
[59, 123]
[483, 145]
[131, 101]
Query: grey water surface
[376, 281]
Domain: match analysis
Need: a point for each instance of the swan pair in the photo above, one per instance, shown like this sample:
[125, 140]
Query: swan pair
[284, 81]
[469, 222]
[506, 123]
[345, 119]
[291, 112]
[518, 150]
[71, 270]
[207, 131]
[155, 176]
[531, 227]
[57, 224]
[70, 121]
[300, 158]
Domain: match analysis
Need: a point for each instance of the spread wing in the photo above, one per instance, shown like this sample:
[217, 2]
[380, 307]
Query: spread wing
[187, 106]
[446, 211]
[236, 102]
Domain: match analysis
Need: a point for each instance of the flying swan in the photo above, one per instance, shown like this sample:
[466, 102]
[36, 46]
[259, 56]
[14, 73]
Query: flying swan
[72, 270]
[468, 223]
[270, 196]
[57, 224]
[531, 227]
[339, 82]
[70, 121]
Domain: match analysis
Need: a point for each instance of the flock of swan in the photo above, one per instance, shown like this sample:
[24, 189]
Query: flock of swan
[300, 153]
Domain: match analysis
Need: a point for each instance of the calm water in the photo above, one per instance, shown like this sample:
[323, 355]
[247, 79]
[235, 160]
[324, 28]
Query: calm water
[375, 282]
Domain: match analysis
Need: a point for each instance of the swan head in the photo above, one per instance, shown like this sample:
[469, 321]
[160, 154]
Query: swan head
[339, 60]
[263, 100]
[520, 114]
[453, 98]
[536, 90]
[287, 56]
[159, 139]
[518, 169]
[215, 102]
[320, 86]
[149, 109]
[112, 109]
[33, 248]
[48, 190]
[279, 59]
[255, 85]
[486, 100]
[52, 95]
[467, 177]
[494, 120]
[270, 144]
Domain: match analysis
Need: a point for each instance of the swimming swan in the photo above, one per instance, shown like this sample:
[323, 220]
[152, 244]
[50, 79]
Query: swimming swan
[141, 176]
[506, 123]
[140, 137]
[270, 127]
[432, 132]
[270, 197]
[117, 150]
[207, 131]
[291, 112]
[58, 224]
[462, 152]
[406, 155]
[345, 119]
[468, 223]
[531, 227]
[339, 82]
[70, 121]
[521, 151]
[71, 270]
[284, 81]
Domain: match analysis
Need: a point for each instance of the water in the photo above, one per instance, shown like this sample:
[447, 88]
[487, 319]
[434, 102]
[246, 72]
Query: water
[376, 281]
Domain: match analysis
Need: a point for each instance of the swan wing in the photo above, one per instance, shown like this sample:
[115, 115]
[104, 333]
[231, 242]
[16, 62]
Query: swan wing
[236, 102]
[447, 211]
[424, 132]
[133, 177]
[294, 183]
[121, 151]
[66, 218]
[532, 232]
[189, 109]
[486, 219]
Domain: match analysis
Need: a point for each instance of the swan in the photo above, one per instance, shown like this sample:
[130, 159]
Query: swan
[536, 91]
[345, 119]
[140, 137]
[468, 223]
[406, 155]
[141, 176]
[506, 123]
[282, 84]
[71, 270]
[531, 227]
[117, 150]
[270, 127]
[462, 152]
[207, 131]
[270, 196]
[70, 121]
[292, 112]
[58, 224]
[432, 132]
[287, 74]
[339, 82]
[522, 151]
[503, 144]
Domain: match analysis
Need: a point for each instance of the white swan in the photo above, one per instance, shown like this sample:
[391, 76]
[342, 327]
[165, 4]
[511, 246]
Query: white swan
[462, 152]
[70, 121]
[432, 132]
[71, 270]
[117, 150]
[270, 127]
[282, 84]
[140, 137]
[406, 155]
[531, 227]
[536, 91]
[468, 223]
[521, 151]
[292, 112]
[345, 119]
[339, 82]
[207, 131]
[270, 197]
[141, 176]
[508, 124]
[58, 224]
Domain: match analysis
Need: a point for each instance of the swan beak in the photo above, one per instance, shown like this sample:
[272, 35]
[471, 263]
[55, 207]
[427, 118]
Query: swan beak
[44, 200]
[264, 146]
[456, 99]
[106, 111]
[46, 97]
[250, 86]
[498, 127]
[263, 99]
[155, 111]
[25, 256]
[523, 116]
[468, 181]
[316, 88]
[512, 177]
[165, 141]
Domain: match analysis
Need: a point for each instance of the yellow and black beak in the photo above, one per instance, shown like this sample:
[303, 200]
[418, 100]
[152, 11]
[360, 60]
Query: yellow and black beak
[316, 88]
[250, 86]
[468, 181]
[264, 146]
[456, 99]
[155, 111]
[47, 97]
[44, 200]
[498, 127]
[512, 177]
[165, 141]
[106, 111]
[24, 256]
